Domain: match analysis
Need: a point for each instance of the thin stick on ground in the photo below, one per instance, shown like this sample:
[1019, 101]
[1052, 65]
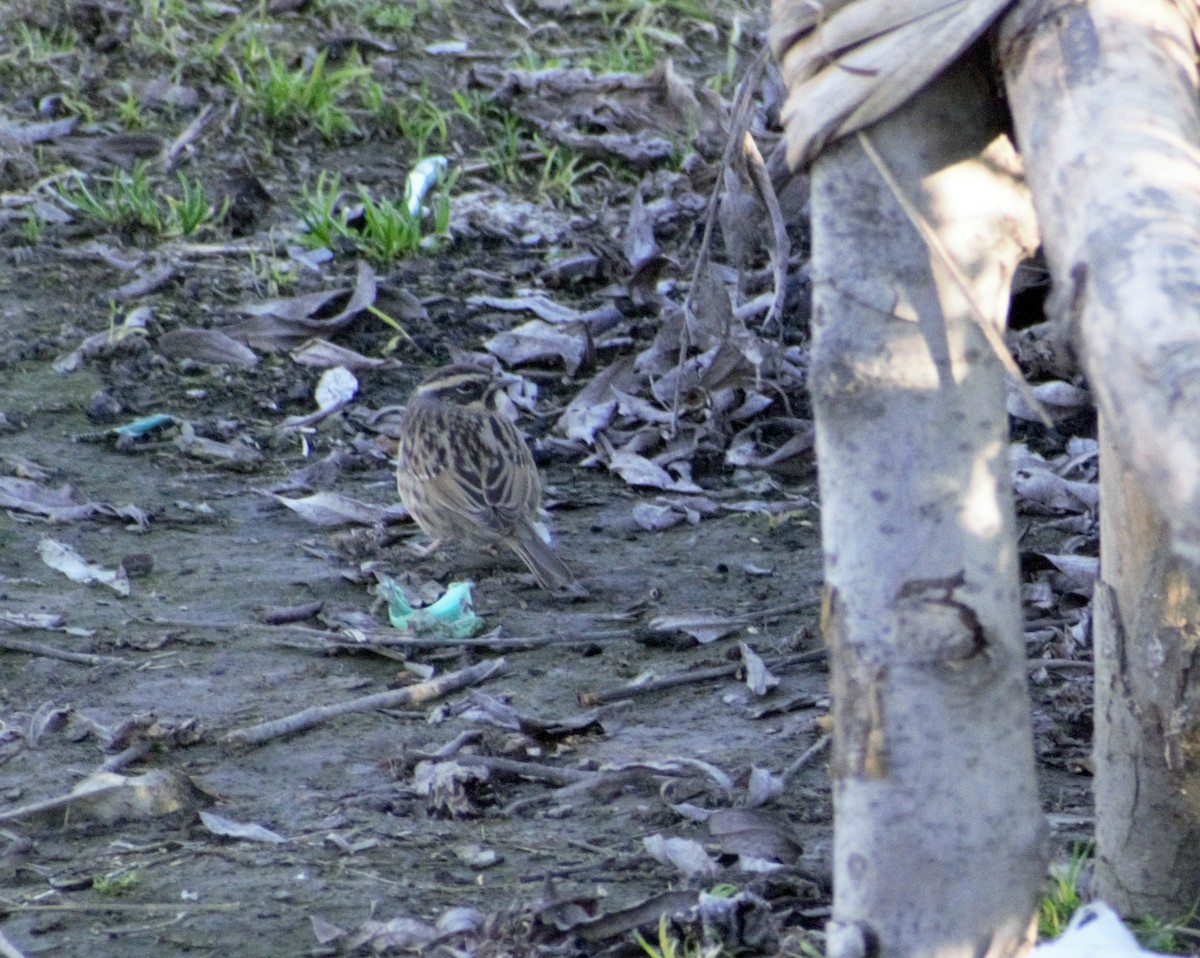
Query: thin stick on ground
[397, 698]
[52, 652]
[690, 678]
[367, 640]
[803, 761]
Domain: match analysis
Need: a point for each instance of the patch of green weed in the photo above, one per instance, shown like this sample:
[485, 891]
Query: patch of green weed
[313, 96]
[385, 230]
[1061, 897]
[115, 884]
[129, 202]
[562, 171]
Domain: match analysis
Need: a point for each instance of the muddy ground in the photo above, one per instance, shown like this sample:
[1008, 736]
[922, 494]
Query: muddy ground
[198, 649]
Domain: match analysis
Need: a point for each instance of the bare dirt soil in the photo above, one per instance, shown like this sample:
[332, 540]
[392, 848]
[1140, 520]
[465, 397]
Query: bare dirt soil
[380, 822]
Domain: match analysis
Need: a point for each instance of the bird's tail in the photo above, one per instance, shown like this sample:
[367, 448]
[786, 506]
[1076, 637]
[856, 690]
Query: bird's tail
[552, 573]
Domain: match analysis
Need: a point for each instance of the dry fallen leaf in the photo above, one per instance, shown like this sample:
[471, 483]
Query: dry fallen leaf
[335, 509]
[758, 677]
[682, 853]
[205, 346]
[324, 354]
[538, 340]
[247, 831]
[704, 627]
[63, 558]
[282, 323]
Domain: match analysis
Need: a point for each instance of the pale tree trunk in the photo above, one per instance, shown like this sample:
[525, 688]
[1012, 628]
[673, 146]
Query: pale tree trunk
[1103, 96]
[937, 827]
[1145, 618]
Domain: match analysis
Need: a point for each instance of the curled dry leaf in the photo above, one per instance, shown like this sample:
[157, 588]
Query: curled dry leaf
[282, 323]
[1077, 574]
[59, 505]
[48, 621]
[666, 512]
[710, 319]
[592, 409]
[642, 915]
[205, 346]
[246, 831]
[538, 340]
[754, 832]
[48, 719]
[335, 388]
[448, 786]
[704, 627]
[489, 709]
[793, 454]
[1041, 488]
[759, 679]
[682, 853]
[1059, 399]
[764, 786]
[646, 261]
[325, 932]
[27, 134]
[457, 920]
[389, 937]
[637, 470]
[655, 517]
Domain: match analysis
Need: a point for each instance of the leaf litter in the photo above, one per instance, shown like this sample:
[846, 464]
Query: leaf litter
[639, 360]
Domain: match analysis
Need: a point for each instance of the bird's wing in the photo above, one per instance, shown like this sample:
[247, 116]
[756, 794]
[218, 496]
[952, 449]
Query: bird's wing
[486, 474]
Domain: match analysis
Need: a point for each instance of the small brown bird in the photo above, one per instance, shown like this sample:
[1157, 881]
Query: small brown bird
[465, 473]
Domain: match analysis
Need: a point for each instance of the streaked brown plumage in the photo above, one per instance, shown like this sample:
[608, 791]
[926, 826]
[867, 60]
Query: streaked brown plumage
[465, 473]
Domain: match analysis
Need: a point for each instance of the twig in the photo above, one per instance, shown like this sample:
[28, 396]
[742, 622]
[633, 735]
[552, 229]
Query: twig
[50, 652]
[809, 754]
[781, 248]
[128, 907]
[590, 782]
[739, 121]
[449, 749]
[190, 132]
[1059, 665]
[530, 770]
[135, 752]
[690, 678]
[147, 283]
[385, 638]
[934, 243]
[412, 695]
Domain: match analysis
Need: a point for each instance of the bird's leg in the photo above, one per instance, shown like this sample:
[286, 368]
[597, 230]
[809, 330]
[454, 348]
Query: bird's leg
[425, 551]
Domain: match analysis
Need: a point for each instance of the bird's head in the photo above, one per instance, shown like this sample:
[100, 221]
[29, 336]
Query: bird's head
[463, 385]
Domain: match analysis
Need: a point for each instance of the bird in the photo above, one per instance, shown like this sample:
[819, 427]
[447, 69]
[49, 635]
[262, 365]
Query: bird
[465, 473]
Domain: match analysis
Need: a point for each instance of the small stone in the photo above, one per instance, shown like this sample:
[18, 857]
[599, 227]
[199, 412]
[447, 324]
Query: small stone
[103, 408]
[137, 564]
